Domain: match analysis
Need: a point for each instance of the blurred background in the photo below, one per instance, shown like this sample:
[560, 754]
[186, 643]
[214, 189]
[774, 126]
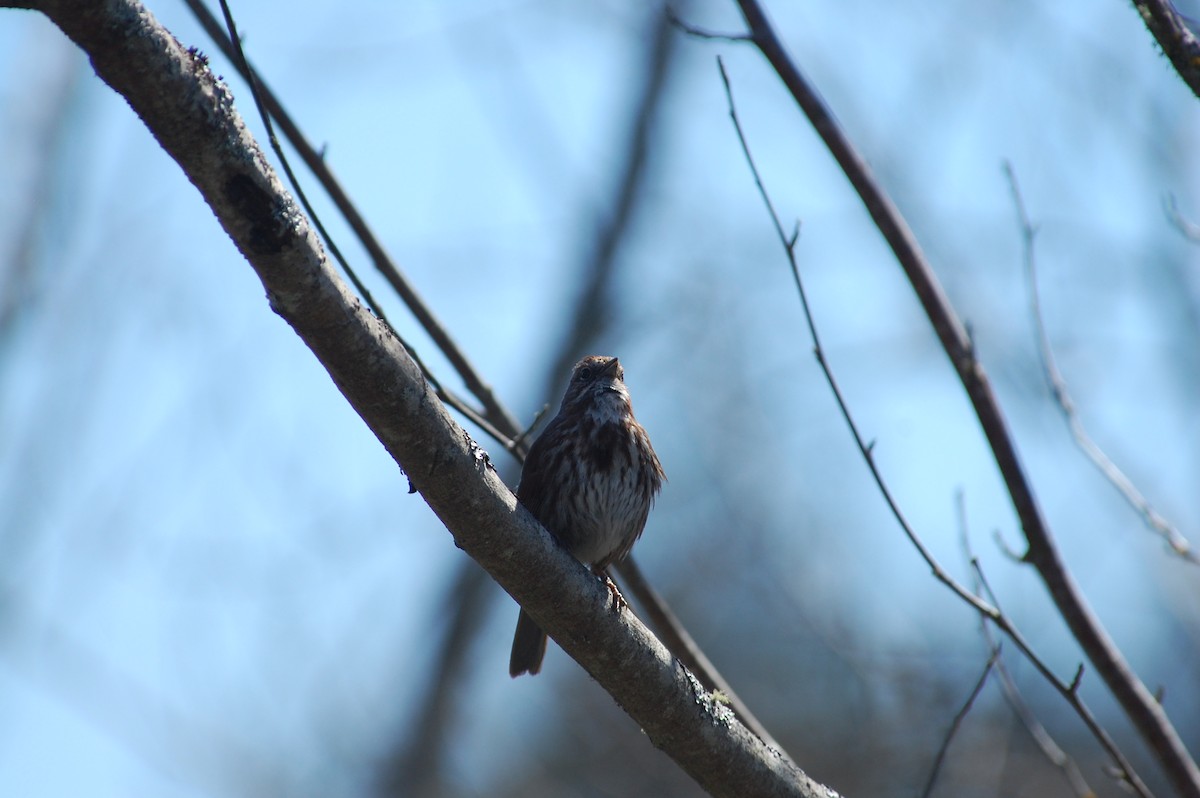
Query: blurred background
[214, 582]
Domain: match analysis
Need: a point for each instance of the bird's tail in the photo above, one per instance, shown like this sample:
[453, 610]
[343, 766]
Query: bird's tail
[529, 647]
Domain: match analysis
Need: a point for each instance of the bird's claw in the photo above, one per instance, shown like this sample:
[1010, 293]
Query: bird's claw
[618, 601]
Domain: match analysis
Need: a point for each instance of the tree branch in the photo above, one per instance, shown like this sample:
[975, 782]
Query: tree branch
[1062, 396]
[1177, 41]
[986, 611]
[1049, 748]
[959, 717]
[191, 114]
[1139, 704]
[496, 420]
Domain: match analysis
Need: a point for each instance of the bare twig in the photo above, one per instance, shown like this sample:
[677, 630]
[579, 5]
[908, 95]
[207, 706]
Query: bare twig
[957, 722]
[1147, 715]
[443, 393]
[989, 611]
[1189, 229]
[520, 443]
[1122, 769]
[18, 265]
[1050, 749]
[701, 33]
[503, 425]
[1058, 387]
[239, 59]
[416, 768]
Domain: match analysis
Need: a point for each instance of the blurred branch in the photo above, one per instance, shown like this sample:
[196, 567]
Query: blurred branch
[592, 310]
[1189, 229]
[990, 611]
[1041, 738]
[703, 33]
[191, 115]
[487, 423]
[1139, 704]
[957, 722]
[1177, 41]
[414, 768]
[1050, 749]
[18, 268]
[1058, 387]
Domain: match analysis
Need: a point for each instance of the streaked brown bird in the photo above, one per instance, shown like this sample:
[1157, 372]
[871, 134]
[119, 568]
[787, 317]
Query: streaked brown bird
[590, 478]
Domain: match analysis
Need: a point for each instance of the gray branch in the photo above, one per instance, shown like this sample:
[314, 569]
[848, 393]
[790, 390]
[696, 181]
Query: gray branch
[191, 114]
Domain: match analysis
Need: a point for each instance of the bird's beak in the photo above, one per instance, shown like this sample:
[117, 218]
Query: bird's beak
[612, 367]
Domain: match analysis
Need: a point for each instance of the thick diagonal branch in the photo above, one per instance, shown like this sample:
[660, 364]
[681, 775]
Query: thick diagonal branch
[191, 114]
[1178, 43]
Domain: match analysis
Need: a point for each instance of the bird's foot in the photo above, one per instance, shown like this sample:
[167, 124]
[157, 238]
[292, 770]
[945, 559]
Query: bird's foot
[618, 601]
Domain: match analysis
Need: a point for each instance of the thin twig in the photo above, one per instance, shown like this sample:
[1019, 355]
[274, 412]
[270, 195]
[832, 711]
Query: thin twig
[500, 419]
[1146, 714]
[1122, 769]
[1189, 229]
[244, 67]
[518, 444]
[1062, 397]
[445, 394]
[701, 33]
[865, 448]
[957, 722]
[1041, 738]
[1012, 695]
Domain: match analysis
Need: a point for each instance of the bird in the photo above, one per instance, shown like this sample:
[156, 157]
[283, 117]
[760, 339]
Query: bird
[590, 479]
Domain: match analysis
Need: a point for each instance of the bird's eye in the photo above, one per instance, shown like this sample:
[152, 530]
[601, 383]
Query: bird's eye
[585, 372]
